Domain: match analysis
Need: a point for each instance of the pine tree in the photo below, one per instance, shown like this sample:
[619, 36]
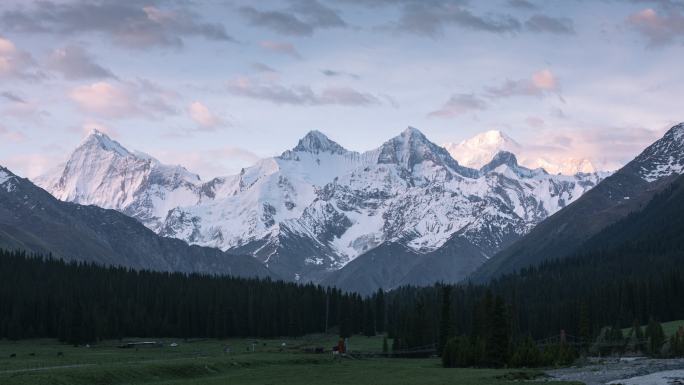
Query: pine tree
[445, 323]
[498, 337]
[656, 337]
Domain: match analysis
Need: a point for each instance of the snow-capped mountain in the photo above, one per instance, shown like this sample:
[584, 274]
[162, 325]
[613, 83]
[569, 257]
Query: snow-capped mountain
[102, 172]
[318, 206]
[480, 149]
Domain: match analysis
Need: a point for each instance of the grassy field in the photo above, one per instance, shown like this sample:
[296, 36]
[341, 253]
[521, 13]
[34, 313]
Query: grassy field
[39, 362]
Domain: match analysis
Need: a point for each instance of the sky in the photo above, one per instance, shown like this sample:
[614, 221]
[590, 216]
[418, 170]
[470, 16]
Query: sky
[216, 85]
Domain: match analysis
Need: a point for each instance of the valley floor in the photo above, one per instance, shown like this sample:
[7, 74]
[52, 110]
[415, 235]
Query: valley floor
[43, 362]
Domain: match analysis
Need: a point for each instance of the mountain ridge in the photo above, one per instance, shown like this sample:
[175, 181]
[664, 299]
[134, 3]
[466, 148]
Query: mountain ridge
[318, 206]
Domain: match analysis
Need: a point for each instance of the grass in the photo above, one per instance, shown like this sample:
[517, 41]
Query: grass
[669, 328]
[204, 362]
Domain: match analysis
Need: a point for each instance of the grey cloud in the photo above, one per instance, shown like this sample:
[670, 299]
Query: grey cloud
[75, 63]
[459, 104]
[333, 73]
[302, 18]
[128, 24]
[261, 67]
[278, 21]
[301, 95]
[522, 4]
[317, 14]
[556, 25]
[12, 97]
[514, 87]
[430, 19]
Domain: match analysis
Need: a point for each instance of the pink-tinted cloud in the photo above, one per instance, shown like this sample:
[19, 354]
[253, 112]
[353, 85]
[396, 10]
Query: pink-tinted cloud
[15, 63]
[539, 84]
[12, 136]
[201, 115]
[124, 100]
[658, 29]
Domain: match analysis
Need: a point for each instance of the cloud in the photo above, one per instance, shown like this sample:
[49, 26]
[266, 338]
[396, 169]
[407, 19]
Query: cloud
[535, 122]
[548, 24]
[300, 95]
[203, 117]
[658, 29]
[459, 104]
[608, 148]
[12, 97]
[300, 19]
[32, 165]
[333, 73]
[210, 163]
[127, 24]
[280, 48]
[15, 63]
[74, 63]
[124, 100]
[12, 136]
[539, 84]
[430, 18]
[522, 4]
[261, 67]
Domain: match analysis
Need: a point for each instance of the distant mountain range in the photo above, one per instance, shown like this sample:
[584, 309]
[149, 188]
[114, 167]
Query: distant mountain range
[404, 213]
[480, 149]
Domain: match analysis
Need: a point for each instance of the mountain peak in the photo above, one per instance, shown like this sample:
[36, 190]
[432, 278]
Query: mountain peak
[316, 142]
[676, 132]
[479, 150]
[510, 160]
[663, 158]
[99, 139]
[412, 147]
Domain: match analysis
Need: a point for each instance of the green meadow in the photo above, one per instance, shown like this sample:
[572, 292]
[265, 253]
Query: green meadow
[43, 362]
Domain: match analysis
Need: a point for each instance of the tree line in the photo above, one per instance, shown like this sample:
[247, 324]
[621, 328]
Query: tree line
[83, 302]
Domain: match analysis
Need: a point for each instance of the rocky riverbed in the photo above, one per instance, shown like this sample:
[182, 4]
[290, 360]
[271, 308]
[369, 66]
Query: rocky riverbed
[627, 371]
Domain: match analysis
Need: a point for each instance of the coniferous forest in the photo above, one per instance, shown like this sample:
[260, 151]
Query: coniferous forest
[630, 274]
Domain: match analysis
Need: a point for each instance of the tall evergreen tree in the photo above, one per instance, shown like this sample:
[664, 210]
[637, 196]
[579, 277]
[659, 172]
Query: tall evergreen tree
[445, 324]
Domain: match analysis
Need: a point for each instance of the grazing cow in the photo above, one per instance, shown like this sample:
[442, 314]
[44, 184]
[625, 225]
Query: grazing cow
[13, 355]
[60, 354]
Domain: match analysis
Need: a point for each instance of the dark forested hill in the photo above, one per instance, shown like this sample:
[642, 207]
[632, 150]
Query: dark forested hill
[626, 191]
[33, 220]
